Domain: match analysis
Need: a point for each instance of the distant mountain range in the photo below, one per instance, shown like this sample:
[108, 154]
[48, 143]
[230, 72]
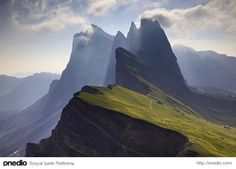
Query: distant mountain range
[147, 108]
[207, 70]
[19, 93]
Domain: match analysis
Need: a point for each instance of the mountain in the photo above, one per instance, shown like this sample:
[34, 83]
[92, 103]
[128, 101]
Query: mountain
[89, 130]
[150, 111]
[163, 72]
[88, 65]
[207, 69]
[8, 83]
[155, 52]
[150, 46]
[19, 93]
[119, 122]
[214, 108]
[23, 74]
[130, 43]
[119, 41]
[133, 38]
[89, 58]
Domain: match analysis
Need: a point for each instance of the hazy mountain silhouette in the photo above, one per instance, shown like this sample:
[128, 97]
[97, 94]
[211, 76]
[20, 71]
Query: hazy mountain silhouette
[207, 69]
[87, 65]
[119, 41]
[133, 38]
[8, 83]
[19, 93]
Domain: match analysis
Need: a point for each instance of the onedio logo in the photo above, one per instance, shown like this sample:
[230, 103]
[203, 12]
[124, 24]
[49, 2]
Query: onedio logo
[15, 163]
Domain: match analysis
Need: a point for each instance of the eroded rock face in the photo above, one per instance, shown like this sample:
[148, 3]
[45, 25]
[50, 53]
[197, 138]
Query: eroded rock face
[86, 130]
[155, 52]
[128, 70]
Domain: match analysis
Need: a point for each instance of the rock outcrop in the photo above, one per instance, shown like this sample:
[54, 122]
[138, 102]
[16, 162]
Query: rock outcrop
[119, 41]
[87, 130]
[129, 70]
[149, 46]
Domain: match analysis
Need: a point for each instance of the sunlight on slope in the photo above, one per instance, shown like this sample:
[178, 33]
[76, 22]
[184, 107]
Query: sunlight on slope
[162, 110]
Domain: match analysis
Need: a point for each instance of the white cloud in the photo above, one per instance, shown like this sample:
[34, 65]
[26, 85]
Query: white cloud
[101, 7]
[35, 15]
[215, 15]
[84, 39]
[41, 15]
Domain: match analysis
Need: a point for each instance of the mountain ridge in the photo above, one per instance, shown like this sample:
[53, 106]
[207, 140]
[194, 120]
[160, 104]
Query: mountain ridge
[22, 92]
[123, 136]
[207, 69]
[77, 133]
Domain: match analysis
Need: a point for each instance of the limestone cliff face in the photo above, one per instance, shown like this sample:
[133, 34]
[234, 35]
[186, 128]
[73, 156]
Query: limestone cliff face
[87, 130]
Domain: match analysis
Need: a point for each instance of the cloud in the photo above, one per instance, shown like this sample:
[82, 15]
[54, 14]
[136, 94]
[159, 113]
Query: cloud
[45, 15]
[216, 15]
[88, 33]
[36, 15]
[101, 7]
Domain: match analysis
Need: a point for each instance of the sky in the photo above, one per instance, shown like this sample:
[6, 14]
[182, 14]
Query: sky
[36, 35]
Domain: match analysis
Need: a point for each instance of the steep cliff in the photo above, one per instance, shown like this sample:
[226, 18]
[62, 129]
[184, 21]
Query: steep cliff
[150, 46]
[119, 41]
[115, 121]
[128, 68]
[87, 130]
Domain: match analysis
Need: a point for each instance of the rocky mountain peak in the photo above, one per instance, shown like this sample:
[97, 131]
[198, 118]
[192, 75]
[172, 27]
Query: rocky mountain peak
[132, 28]
[119, 41]
[150, 23]
[119, 34]
[154, 41]
[133, 38]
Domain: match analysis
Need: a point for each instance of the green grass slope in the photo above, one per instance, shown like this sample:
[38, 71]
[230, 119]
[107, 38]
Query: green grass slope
[208, 138]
